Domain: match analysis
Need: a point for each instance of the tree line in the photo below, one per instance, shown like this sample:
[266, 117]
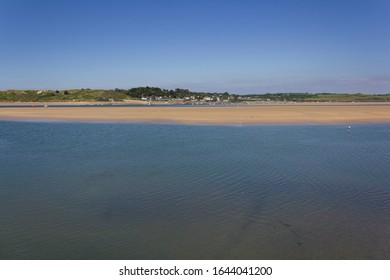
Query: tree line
[139, 92]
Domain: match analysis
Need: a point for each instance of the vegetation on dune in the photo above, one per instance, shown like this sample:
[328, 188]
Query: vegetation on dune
[183, 95]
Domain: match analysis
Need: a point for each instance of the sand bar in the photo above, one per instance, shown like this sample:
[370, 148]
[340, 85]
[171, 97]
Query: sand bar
[275, 114]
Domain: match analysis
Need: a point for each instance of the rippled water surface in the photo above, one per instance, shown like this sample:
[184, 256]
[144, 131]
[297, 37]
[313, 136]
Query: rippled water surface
[128, 191]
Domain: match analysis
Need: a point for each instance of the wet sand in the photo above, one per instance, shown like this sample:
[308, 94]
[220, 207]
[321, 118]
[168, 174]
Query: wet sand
[261, 114]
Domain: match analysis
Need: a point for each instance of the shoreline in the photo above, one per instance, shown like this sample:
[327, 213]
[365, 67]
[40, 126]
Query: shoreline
[228, 115]
[167, 104]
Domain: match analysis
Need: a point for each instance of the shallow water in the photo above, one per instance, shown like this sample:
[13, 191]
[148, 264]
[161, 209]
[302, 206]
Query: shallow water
[136, 191]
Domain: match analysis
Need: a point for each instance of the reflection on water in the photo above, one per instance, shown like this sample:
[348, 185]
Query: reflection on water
[127, 191]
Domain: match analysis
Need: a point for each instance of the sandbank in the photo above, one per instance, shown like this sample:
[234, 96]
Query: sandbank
[275, 114]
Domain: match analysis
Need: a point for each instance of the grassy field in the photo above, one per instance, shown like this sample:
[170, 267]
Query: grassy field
[348, 97]
[66, 95]
[319, 97]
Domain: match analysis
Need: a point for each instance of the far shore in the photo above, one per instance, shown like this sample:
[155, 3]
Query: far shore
[297, 113]
[142, 102]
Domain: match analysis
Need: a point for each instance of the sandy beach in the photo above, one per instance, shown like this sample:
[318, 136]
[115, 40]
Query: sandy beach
[261, 114]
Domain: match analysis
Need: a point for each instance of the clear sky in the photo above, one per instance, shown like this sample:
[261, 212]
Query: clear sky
[239, 46]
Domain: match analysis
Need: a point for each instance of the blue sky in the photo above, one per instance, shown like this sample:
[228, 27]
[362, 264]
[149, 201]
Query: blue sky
[239, 46]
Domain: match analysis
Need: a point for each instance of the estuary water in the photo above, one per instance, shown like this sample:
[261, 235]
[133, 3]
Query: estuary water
[160, 191]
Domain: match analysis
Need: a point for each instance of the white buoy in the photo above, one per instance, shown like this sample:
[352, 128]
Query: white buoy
[349, 127]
